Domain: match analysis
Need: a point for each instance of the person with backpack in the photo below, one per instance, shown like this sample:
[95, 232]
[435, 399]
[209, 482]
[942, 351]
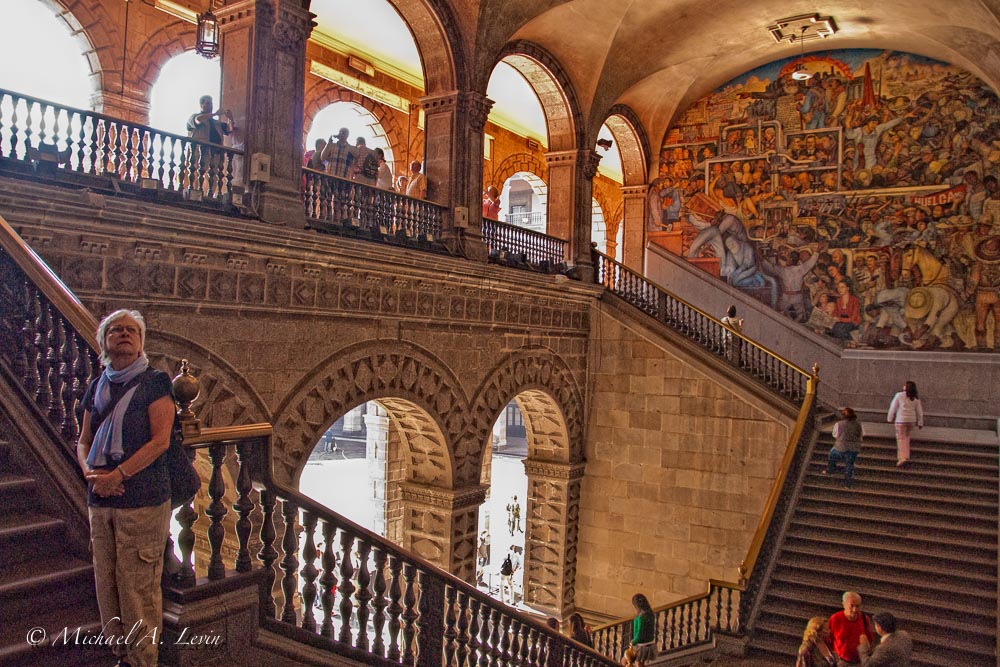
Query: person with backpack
[511, 564]
[365, 163]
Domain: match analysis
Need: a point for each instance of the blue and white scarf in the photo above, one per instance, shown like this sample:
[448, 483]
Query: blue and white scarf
[107, 446]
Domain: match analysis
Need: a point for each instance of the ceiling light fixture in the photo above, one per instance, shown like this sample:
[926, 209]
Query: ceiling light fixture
[801, 73]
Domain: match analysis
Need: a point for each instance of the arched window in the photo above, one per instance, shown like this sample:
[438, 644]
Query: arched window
[359, 122]
[182, 81]
[49, 60]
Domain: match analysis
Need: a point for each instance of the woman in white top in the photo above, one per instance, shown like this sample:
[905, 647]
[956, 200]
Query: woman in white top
[384, 180]
[905, 411]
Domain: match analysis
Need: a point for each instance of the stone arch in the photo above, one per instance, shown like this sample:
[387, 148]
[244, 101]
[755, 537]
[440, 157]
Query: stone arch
[518, 162]
[548, 396]
[159, 47]
[233, 401]
[320, 94]
[633, 144]
[98, 34]
[555, 93]
[438, 38]
[391, 372]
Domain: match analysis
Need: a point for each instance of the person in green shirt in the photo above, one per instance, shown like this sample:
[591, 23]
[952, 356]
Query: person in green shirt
[643, 631]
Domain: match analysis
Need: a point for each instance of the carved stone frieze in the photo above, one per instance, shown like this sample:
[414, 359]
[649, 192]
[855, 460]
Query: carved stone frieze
[553, 470]
[445, 498]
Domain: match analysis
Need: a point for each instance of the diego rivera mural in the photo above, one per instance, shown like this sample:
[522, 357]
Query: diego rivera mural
[862, 202]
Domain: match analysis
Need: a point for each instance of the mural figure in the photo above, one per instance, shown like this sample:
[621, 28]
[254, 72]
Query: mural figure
[863, 203]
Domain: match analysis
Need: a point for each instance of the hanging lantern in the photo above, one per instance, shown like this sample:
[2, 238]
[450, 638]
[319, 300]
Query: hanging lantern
[208, 35]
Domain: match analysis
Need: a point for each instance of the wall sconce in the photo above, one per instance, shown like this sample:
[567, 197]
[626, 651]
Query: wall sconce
[208, 35]
[605, 144]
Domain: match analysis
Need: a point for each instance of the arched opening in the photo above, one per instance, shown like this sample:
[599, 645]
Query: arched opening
[363, 462]
[502, 514]
[63, 74]
[599, 233]
[360, 122]
[523, 201]
[182, 81]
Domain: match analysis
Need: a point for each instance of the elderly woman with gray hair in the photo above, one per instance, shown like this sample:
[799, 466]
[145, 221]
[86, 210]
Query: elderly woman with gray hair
[127, 420]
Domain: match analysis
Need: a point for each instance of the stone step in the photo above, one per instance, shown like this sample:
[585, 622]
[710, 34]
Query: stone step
[885, 507]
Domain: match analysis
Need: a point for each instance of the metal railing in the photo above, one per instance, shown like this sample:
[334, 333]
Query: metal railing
[57, 139]
[763, 365]
[342, 206]
[516, 246]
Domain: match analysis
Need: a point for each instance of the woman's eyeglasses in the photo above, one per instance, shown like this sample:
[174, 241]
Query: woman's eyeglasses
[122, 328]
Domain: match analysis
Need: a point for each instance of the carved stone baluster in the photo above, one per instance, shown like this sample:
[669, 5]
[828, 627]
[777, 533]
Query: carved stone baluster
[409, 613]
[364, 594]
[505, 640]
[289, 562]
[169, 150]
[28, 131]
[43, 327]
[484, 637]
[67, 358]
[515, 642]
[450, 625]
[379, 603]
[346, 586]
[268, 554]
[216, 511]
[395, 609]
[244, 506]
[57, 339]
[14, 130]
[186, 517]
[462, 636]
[474, 628]
[533, 654]
[309, 572]
[328, 579]
[495, 655]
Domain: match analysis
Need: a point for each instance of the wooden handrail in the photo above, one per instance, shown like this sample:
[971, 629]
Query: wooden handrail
[801, 423]
[48, 283]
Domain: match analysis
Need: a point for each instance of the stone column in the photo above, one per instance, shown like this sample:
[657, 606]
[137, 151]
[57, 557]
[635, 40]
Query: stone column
[453, 163]
[263, 84]
[550, 543]
[570, 204]
[376, 454]
[440, 526]
[634, 219]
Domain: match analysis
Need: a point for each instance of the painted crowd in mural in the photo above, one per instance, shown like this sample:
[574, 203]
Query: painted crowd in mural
[862, 202]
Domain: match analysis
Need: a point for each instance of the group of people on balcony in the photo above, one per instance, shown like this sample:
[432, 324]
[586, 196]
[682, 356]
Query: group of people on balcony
[364, 165]
[848, 637]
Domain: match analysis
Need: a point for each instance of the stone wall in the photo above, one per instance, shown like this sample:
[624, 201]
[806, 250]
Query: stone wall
[680, 460]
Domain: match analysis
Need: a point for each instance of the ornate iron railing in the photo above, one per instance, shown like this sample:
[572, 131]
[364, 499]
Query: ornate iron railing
[763, 365]
[341, 206]
[62, 140]
[523, 248]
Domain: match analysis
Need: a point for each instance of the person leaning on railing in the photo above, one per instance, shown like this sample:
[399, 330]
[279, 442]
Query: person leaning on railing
[128, 413]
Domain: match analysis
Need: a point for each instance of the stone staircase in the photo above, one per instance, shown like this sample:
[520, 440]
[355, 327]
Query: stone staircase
[920, 542]
[46, 577]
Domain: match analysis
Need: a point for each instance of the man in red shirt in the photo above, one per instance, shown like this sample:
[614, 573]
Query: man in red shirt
[847, 627]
